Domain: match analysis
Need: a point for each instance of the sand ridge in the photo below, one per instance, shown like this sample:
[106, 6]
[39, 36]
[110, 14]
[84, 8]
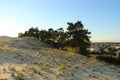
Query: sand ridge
[30, 59]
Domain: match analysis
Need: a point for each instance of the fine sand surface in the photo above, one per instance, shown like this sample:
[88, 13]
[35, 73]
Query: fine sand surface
[30, 59]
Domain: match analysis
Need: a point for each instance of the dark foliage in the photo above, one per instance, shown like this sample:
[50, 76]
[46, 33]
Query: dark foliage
[76, 37]
[109, 59]
[32, 32]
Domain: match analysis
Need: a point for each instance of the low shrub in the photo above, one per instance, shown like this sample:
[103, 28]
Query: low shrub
[109, 59]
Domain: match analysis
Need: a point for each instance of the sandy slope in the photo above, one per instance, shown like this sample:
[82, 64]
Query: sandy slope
[29, 59]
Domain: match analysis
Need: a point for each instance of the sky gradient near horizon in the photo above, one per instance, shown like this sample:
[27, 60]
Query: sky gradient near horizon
[101, 17]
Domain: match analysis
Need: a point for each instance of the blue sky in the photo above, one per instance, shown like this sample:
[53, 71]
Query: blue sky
[101, 17]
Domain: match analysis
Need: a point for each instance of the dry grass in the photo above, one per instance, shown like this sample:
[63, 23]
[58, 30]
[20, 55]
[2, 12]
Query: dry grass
[29, 59]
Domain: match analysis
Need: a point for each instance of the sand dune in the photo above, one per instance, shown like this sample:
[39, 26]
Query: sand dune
[30, 59]
[4, 38]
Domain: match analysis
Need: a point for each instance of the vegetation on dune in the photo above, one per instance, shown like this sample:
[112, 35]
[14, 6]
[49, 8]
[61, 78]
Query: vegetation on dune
[31, 59]
[109, 59]
[78, 36]
[75, 37]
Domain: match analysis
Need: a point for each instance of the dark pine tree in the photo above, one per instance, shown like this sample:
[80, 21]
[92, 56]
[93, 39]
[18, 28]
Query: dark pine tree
[78, 37]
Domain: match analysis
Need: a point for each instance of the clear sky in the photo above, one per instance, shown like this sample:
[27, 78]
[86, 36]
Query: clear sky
[101, 17]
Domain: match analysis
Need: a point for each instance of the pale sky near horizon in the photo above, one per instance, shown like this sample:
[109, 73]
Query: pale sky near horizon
[101, 17]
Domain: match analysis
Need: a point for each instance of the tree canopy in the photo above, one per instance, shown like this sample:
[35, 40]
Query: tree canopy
[76, 36]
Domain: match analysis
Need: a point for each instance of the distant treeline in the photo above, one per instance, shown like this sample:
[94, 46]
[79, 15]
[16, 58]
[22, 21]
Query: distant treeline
[75, 37]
